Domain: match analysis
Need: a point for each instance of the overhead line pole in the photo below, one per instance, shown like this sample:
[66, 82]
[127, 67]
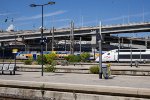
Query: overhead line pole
[100, 51]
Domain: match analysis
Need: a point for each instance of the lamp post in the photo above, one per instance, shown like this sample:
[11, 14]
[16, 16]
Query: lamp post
[42, 41]
[118, 47]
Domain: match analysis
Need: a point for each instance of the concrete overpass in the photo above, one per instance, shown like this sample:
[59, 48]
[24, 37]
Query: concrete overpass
[82, 31]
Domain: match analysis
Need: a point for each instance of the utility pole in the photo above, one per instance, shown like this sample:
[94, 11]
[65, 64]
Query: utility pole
[100, 51]
[145, 42]
[46, 44]
[118, 47]
[80, 44]
[131, 51]
[72, 38]
[53, 39]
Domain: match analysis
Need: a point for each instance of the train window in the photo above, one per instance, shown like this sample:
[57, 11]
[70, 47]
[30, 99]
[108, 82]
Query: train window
[135, 56]
[145, 56]
[108, 53]
[124, 56]
[131, 50]
[124, 50]
[143, 50]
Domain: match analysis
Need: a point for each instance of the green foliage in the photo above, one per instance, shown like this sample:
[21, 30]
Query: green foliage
[47, 58]
[94, 69]
[50, 58]
[39, 59]
[85, 56]
[28, 62]
[73, 58]
[50, 68]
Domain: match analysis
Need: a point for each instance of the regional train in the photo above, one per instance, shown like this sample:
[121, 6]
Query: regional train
[126, 55]
[34, 54]
[60, 54]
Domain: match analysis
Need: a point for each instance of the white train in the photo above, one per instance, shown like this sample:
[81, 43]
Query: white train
[125, 55]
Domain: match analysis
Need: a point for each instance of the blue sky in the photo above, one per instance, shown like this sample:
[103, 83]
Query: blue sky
[82, 12]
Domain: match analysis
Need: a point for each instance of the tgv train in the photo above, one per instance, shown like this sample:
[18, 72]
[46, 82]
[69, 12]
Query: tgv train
[126, 55]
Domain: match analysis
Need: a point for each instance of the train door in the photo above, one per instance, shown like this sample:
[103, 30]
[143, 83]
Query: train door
[34, 56]
[115, 56]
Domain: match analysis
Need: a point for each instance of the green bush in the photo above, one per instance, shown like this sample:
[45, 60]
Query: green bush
[94, 69]
[50, 58]
[28, 62]
[73, 58]
[50, 68]
[85, 56]
[39, 59]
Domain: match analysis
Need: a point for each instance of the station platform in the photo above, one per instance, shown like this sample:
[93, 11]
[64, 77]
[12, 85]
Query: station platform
[65, 86]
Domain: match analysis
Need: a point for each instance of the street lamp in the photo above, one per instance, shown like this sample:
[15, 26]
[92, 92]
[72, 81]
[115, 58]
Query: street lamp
[42, 41]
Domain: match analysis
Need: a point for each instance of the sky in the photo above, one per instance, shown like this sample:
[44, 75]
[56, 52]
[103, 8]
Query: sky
[82, 12]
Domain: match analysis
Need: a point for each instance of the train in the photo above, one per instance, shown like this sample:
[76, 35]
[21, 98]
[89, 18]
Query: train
[60, 54]
[126, 55]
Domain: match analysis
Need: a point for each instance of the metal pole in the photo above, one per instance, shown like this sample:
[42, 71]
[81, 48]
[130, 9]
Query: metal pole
[53, 39]
[65, 45]
[3, 54]
[71, 38]
[42, 41]
[100, 52]
[131, 51]
[118, 47]
[122, 42]
[140, 55]
[15, 55]
[100, 59]
[80, 44]
[46, 44]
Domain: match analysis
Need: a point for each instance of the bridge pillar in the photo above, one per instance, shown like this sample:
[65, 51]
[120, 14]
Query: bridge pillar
[146, 43]
[93, 44]
[72, 37]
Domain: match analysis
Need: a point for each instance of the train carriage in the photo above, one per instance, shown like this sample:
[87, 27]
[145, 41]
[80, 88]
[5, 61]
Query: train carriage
[126, 55]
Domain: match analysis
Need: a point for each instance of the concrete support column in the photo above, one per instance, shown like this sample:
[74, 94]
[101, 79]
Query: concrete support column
[146, 43]
[93, 44]
[52, 39]
[80, 44]
[72, 38]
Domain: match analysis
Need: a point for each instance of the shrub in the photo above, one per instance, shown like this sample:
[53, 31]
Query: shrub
[94, 69]
[85, 56]
[50, 58]
[34, 63]
[39, 59]
[28, 62]
[73, 58]
[50, 68]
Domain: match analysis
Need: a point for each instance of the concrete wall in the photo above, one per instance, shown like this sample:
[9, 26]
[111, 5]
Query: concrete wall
[121, 70]
[56, 91]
